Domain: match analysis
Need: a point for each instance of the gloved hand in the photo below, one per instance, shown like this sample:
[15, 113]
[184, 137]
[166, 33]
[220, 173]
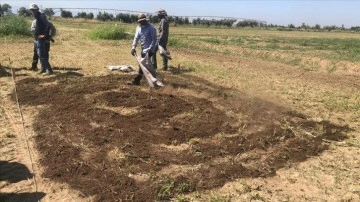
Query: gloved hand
[133, 51]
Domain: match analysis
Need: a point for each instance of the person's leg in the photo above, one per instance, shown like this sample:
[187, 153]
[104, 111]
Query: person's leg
[164, 59]
[153, 58]
[153, 61]
[35, 59]
[164, 62]
[45, 66]
[47, 50]
[136, 80]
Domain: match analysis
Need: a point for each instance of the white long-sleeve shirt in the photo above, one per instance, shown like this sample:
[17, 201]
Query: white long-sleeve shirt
[147, 36]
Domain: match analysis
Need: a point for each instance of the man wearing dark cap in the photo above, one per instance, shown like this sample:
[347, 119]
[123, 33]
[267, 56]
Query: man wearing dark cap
[41, 35]
[146, 33]
[163, 35]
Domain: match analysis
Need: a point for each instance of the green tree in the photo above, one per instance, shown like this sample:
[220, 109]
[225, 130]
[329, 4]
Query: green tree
[49, 12]
[291, 26]
[66, 14]
[317, 27]
[330, 28]
[243, 23]
[105, 16]
[125, 18]
[90, 16]
[81, 15]
[186, 21]
[85, 15]
[24, 12]
[304, 26]
[357, 28]
[4, 8]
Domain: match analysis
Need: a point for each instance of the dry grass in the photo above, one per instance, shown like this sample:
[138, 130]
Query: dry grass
[323, 94]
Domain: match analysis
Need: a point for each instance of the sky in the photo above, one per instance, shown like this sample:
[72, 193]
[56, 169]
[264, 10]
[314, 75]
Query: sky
[280, 12]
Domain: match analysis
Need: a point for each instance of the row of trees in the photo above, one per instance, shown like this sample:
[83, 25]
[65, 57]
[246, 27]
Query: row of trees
[131, 18]
[85, 15]
[317, 27]
[27, 13]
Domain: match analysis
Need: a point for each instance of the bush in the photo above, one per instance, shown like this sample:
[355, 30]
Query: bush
[109, 33]
[14, 25]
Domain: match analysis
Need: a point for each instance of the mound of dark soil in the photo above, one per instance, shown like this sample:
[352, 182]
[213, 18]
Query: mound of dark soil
[117, 143]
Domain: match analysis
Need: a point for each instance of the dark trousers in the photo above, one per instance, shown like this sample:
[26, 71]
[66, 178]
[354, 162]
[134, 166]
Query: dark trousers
[36, 56]
[164, 59]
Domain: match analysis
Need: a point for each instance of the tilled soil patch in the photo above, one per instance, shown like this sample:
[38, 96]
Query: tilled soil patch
[117, 142]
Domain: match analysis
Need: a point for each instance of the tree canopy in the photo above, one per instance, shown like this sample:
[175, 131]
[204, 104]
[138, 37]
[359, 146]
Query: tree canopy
[24, 12]
[4, 8]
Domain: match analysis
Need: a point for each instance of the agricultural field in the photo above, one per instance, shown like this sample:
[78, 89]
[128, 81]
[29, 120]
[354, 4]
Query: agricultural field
[245, 115]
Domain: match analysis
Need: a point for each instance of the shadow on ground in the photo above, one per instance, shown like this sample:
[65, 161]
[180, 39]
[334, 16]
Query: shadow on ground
[23, 197]
[67, 68]
[13, 172]
[114, 141]
[5, 71]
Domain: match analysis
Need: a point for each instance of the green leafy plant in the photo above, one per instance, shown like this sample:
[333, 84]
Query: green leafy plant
[108, 32]
[211, 40]
[14, 26]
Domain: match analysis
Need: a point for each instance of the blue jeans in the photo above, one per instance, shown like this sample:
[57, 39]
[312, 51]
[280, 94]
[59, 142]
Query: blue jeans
[36, 57]
[42, 53]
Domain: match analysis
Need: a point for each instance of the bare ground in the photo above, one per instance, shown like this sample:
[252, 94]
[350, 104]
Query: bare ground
[271, 133]
[113, 142]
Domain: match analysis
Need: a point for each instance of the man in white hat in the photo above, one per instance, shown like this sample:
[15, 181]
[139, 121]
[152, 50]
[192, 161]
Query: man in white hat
[52, 33]
[146, 33]
[41, 35]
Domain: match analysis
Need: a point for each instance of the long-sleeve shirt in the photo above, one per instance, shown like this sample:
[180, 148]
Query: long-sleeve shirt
[52, 31]
[41, 27]
[163, 32]
[147, 36]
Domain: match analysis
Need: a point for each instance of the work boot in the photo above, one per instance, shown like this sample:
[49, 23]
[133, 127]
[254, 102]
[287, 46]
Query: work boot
[165, 68]
[133, 83]
[47, 73]
[41, 72]
[34, 66]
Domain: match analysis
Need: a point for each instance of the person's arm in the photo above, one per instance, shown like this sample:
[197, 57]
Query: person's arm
[166, 29]
[136, 38]
[154, 39]
[47, 25]
[41, 26]
[161, 29]
[163, 35]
